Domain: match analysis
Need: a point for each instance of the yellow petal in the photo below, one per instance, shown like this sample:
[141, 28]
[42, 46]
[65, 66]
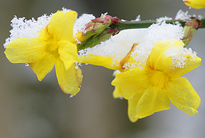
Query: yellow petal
[79, 37]
[23, 50]
[100, 61]
[130, 82]
[61, 25]
[44, 66]
[183, 95]
[153, 100]
[158, 58]
[116, 93]
[196, 4]
[68, 53]
[69, 80]
[132, 106]
[191, 63]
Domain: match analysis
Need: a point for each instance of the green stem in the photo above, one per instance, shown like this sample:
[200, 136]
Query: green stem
[145, 24]
[96, 39]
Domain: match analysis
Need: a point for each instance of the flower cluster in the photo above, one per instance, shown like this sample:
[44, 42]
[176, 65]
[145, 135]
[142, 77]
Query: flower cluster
[148, 63]
[149, 74]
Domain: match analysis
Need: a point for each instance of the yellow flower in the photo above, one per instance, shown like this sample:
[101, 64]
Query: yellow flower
[196, 4]
[52, 47]
[151, 89]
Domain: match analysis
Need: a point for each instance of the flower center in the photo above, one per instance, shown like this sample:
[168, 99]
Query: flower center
[158, 78]
[52, 47]
[51, 42]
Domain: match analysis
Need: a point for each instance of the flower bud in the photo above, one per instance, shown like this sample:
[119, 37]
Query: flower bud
[98, 25]
[189, 30]
[98, 30]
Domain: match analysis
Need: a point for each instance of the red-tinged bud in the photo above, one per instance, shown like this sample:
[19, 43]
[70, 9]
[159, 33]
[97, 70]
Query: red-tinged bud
[99, 30]
[189, 30]
[112, 31]
[98, 25]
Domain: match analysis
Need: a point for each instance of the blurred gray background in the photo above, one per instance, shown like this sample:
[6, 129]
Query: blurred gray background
[33, 109]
